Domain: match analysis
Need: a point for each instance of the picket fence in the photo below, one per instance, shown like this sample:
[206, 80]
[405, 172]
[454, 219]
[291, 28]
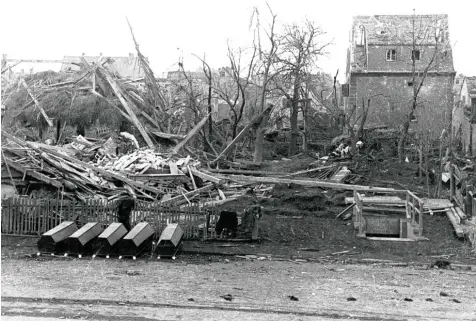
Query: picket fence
[27, 216]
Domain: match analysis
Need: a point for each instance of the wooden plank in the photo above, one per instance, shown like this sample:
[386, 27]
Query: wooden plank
[308, 171]
[314, 183]
[456, 226]
[37, 104]
[190, 135]
[387, 200]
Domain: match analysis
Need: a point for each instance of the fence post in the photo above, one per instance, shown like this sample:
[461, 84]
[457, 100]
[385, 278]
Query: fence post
[452, 182]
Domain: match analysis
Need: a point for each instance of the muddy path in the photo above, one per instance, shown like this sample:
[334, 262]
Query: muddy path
[259, 288]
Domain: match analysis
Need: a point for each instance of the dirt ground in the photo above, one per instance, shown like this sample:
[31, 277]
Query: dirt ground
[260, 290]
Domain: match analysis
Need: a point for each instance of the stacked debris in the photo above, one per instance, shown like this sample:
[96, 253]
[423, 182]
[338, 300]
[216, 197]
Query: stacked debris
[141, 174]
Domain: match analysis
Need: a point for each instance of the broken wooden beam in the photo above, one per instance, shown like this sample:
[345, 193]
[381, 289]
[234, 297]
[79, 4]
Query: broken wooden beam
[206, 177]
[255, 120]
[308, 171]
[244, 171]
[187, 195]
[394, 200]
[345, 210]
[190, 135]
[314, 183]
[37, 103]
[125, 102]
[168, 136]
[33, 173]
[456, 226]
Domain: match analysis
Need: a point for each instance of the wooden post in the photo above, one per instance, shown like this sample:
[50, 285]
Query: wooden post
[420, 219]
[452, 182]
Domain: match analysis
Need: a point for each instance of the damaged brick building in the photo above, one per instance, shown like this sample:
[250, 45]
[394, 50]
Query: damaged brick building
[380, 68]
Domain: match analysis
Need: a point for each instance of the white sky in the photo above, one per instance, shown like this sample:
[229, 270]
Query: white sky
[47, 29]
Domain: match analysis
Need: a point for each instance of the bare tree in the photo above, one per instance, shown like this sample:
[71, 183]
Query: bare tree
[300, 49]
[424, 32]
[232, 87]
[267, 60]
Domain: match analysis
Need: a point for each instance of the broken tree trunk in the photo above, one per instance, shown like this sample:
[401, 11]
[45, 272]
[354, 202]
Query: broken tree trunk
[190, 135]
[120, 94]
[241, 134]
[37, 103]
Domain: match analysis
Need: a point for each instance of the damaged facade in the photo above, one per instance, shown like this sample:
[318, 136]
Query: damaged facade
[463, 113]
[380, 68]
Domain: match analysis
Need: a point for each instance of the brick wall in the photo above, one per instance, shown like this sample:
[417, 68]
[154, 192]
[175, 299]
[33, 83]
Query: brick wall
[394, 100]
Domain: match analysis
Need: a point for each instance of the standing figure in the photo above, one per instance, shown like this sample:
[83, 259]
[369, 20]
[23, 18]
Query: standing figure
[124, 210]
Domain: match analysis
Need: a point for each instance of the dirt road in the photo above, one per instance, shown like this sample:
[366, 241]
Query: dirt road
[169, 290]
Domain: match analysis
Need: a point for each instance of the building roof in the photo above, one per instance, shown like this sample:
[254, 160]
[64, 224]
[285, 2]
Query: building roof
[372, 35]
[128, 67]
[398, 29]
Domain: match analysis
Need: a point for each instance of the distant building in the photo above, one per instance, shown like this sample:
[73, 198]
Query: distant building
[464, 113]
[379, 68]
[125, 67]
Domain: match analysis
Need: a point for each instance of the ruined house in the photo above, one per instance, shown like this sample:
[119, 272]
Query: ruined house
[385, 54]
[464, 112]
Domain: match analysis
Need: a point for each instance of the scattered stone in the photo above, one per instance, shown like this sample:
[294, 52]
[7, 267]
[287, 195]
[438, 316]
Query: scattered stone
[227, 261]
[456, 301]
[227, 297]
[300, 260]
[442, 264]
[351, 299]
[429, 300]
[408, 300]
[292, 298]
[131, 272]
[191, 299]
[443, 293]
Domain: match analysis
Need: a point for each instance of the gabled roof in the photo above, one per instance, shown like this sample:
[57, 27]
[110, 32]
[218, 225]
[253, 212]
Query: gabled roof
[398, 29]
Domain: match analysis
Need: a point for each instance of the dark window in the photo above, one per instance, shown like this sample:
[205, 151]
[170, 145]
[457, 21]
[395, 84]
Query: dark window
[416, 54]
[391, 55]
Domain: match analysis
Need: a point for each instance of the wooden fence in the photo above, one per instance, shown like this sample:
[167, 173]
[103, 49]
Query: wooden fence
[26, 216]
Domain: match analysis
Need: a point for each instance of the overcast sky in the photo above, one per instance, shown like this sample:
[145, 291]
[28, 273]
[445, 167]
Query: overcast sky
[165, 30]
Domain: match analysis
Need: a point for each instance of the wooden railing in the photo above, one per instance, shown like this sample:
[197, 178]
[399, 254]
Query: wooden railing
[414, 210]
[26, 216]
[359, 220]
